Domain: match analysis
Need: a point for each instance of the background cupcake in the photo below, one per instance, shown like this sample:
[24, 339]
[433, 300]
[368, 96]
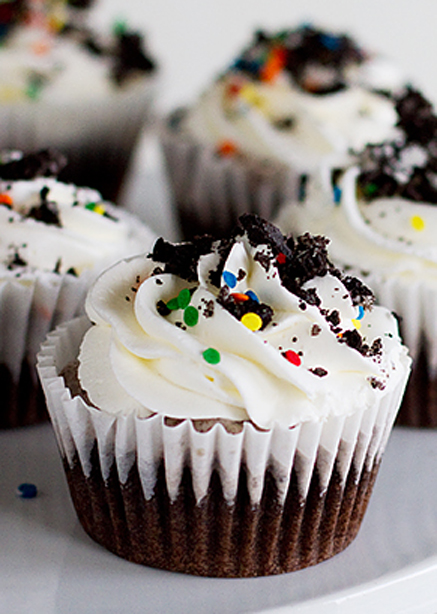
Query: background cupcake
[229, 420]
[66, 85]
[291, 100]
[381, 218]
[54, 239]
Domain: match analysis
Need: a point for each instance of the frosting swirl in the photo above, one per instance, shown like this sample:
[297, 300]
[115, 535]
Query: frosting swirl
[48, 225]
[256, 328]
[299, 96]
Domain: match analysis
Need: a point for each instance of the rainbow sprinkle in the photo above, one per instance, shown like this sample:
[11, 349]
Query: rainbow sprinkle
[211, 356]
[252, 321]
[417, 222]
[229, 279]
[292, 357]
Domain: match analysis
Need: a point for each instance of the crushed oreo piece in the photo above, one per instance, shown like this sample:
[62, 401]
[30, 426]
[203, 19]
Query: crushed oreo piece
[406, 167]
[129, 57]
[376, 383]
[319, 371]
[15, 261]
[45, 163]
[181, 258]
[359, 292]
[46, 212]
[315, 59]
[239, 309]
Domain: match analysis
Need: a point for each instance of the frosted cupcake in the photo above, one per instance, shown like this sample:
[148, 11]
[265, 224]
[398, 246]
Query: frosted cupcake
[54, 239]
[66, 86]
[382, 220]
[292, 100]
[225, 414]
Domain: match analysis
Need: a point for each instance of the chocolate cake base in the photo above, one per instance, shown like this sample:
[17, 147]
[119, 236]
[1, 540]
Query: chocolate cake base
[23, 403]
[215, 538]
[419, 405]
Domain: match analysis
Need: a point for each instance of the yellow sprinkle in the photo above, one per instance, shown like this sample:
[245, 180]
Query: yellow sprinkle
[252, 321]
[99, 209]
[251, 96]
[357, 324]
[417, 222]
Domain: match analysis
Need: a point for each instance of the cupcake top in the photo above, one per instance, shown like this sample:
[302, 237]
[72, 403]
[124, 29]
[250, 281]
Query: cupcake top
[299, 96]
[257, 327]
[381, 214]
[47, 225]
[49, 53]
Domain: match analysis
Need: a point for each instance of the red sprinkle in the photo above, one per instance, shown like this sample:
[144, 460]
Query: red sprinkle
[292, 357]
[281, 258]
[233, 89]
[227, 148]
[239, 297]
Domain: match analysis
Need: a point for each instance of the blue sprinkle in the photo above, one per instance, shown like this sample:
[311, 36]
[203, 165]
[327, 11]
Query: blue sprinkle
[302, 188]
[27, 491]
[330, 42]
[251, 294]
[337, 194]
[250, 66]
[229, 279]
[360, 312]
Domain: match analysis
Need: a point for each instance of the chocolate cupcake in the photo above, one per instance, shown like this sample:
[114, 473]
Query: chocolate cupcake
[382, 220]
[65, 85]
[226, 412]
[54, 240]
[292, 100]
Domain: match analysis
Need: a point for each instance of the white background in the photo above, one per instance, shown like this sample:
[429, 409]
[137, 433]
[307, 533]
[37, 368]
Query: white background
[195, 39]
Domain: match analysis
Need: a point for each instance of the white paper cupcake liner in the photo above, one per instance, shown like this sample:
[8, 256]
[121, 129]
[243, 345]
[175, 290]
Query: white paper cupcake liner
[127, 440]
[34, 302]
[210, 191]
[97, 136]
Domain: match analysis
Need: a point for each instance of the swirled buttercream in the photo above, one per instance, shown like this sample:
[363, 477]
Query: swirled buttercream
[259, 328]
[299, 97]
[49, 53]
[47, 225]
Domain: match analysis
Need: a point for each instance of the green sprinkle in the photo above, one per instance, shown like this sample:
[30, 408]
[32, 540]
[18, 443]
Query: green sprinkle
[191, 316]
[173, 304]
[33, 90]
[211, 356]
[90, 206]
[371, 188]
[120, 27]
[184, 298]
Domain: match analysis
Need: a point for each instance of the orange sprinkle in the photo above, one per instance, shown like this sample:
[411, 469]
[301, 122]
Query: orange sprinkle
[274, 64]
[41, 48]
[5, 199]
[227, 148]
[239, 297]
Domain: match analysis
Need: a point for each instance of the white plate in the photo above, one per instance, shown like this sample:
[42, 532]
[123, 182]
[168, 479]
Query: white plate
[49, 565]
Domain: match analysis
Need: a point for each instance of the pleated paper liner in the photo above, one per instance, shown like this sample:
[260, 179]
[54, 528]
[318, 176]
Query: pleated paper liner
[211, 191]
[215, 503]
[32, 304]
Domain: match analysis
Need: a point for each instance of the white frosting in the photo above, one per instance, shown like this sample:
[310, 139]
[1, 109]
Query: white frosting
[136, 360]
[324, 126]
[386, 236]
[65, 69]
[85, 239]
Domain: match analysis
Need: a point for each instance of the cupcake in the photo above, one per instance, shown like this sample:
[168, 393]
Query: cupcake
[381, 218]
[226, 412]
[67, 86]
[54, 240]
[290, 101]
